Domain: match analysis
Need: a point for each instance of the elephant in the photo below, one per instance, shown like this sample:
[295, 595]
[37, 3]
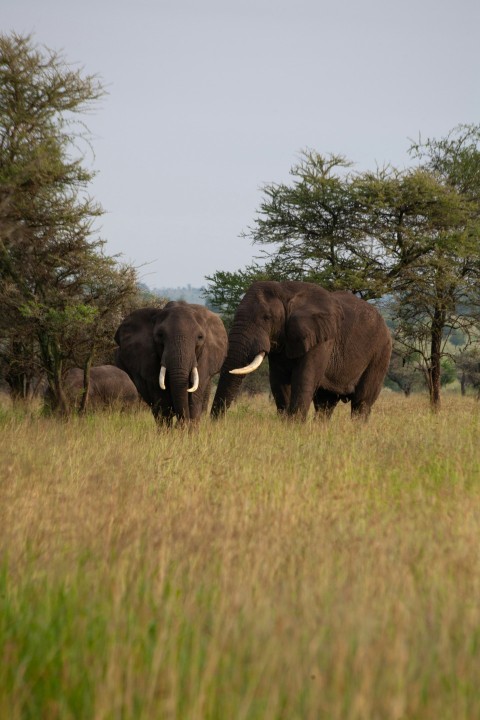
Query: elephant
[171, 354]
[322, 346]
[109, 387]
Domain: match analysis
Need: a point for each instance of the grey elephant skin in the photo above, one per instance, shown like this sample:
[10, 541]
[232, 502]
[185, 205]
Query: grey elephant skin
[188, 341]
[322, 347]
[109, 387]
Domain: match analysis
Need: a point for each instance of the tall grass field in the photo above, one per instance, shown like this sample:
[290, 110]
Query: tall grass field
[254, 569]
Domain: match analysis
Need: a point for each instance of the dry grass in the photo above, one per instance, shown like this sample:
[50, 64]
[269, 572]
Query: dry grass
[254, 569]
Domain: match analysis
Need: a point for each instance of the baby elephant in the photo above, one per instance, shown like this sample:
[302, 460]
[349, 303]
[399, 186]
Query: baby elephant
[171, 354]
[109, 387]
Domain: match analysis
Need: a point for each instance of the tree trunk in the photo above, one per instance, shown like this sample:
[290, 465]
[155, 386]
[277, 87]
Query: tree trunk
[86, 386]
[53, 364]
[19, 375]
[16, 384]
[435, 370]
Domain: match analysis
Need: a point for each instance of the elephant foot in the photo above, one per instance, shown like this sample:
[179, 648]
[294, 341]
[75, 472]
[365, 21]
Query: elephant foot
[296, 415]
[187, 425]
[360, 411]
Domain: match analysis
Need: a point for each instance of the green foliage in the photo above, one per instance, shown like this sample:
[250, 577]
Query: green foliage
[449, 372]
[227, 289]
[61, 296]
[456, 158]
[82, 314]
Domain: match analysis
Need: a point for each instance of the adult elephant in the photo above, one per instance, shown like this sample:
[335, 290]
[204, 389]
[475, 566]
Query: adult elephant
[108, 387]
[171, 354]
[322, 346]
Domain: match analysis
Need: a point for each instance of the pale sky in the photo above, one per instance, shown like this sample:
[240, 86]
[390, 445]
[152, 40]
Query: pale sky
[209, 100]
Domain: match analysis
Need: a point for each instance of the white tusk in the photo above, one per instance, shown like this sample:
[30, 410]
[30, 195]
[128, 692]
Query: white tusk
[256, 362]
[195, 379]
[161, 379]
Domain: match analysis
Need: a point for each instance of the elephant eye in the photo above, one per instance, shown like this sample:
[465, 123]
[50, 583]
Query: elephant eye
[200, 337]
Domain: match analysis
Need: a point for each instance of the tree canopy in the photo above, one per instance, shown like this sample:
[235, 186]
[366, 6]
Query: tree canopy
[60, 292]
[409, 235]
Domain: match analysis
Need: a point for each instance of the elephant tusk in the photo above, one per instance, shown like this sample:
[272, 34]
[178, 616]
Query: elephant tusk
[195, 380]
[161, 379]
[256, 362]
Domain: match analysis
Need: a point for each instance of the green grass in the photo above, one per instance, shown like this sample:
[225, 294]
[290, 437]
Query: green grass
[254, 569]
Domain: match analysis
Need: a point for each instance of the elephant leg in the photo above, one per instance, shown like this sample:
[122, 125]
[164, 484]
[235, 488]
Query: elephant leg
[196, 403]
[206, 397]
[280, 383]
[306, 372]
[164, 420]
[325, 403]
[163, 414]
[281, 396]
[368, 388]
[302, 391]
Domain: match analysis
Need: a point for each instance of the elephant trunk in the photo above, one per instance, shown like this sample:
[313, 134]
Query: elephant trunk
[227, 390]
[243, 349]
[178, 384]
[194, 379]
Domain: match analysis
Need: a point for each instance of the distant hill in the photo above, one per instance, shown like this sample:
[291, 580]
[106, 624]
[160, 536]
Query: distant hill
[187, 293]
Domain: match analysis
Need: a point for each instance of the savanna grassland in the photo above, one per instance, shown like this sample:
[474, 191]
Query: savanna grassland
[254, 569]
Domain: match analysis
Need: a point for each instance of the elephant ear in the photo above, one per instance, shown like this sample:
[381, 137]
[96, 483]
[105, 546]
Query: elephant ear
[312, 318]
[216, 339]
[137, 354]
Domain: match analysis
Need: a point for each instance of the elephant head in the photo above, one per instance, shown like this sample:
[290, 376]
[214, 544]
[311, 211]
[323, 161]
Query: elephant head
[171, 355]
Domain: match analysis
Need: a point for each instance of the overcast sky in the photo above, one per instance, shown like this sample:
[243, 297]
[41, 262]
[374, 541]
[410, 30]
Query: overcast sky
[210, 99]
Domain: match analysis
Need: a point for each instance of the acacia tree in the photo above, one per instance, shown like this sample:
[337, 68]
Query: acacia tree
[411, 235]
[309, 226]
[426, 231]
[438, 294]
[53, 273]
[343, 230]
